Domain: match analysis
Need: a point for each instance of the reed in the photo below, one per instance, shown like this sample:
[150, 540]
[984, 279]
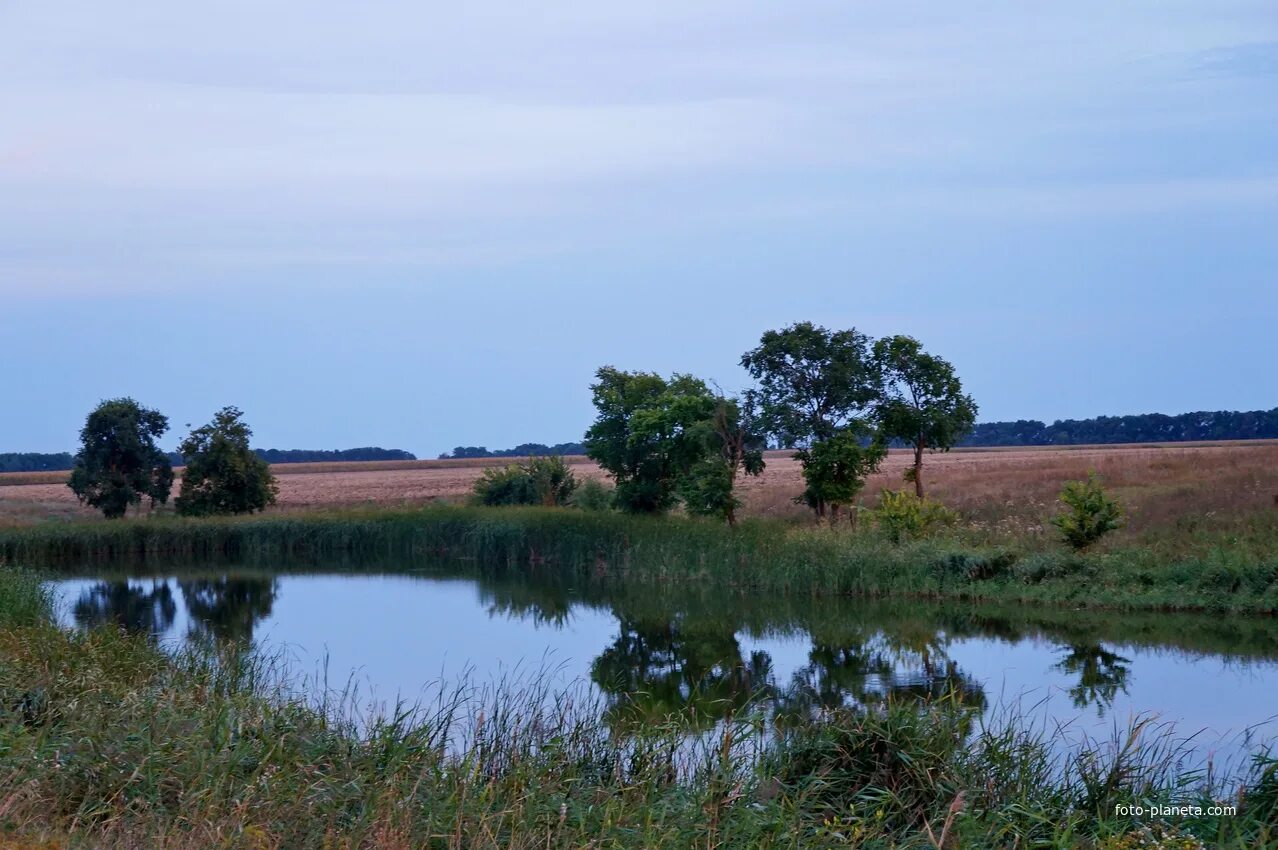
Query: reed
[1236, 572]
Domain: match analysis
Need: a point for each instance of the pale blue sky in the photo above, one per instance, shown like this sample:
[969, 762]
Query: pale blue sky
[421, 224]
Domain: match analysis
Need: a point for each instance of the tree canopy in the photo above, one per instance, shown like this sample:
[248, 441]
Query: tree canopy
[812, 382]
[649, 434]
[922, 402]
[119, 463]
[222, 475]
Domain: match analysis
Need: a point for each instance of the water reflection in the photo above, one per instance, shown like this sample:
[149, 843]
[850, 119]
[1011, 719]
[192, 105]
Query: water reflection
[691, 669]
[221, 608]
[694, 653]
[148, 608]
[1102, 674]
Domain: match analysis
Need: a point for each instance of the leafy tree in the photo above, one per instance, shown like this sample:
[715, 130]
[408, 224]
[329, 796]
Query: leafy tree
[648, 434]
[118, 462]
[835, 470]
[923, 403]
[222, 474]
[812, 382]
[1089, 514]
[546, 481]
[734, 445]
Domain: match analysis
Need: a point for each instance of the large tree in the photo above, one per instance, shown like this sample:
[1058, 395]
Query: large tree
[648, 434]
[222, 474]
[922, 402]
[816, 390]
[812, 382]
[118, 462]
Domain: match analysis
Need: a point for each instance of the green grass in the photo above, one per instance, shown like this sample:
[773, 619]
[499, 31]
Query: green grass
[1234, 570]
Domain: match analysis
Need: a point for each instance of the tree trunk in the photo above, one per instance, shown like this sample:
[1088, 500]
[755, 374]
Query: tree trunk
[918, 469]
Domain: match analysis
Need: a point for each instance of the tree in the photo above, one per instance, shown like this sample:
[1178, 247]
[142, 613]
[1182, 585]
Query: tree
[835, 470]
[1089, 514]
[922, 402]
[646, 434]
[119, 462]
[812, 382]
[734, 445]
[222, 474]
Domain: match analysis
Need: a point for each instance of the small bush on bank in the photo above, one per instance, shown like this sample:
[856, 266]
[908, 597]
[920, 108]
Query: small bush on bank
[545, 481]
[592, 495]
[903, 515]
[1089, 514]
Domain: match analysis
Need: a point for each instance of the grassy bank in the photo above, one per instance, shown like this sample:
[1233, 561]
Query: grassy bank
[1235, 570]
[107, 742]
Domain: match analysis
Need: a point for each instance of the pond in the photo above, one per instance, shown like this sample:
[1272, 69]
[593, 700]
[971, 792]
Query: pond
[695, 652]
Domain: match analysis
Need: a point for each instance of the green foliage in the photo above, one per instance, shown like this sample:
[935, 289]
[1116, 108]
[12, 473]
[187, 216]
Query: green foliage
[546, 481]
[222, 475]
[1089, 514]
[923, 403]
[904, 515]
[119, 462]
[592, 495]
[649, 434]
[835, 470]
[812, 381]
[734, 444]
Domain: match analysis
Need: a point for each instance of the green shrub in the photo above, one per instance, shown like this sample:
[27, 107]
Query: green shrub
[903, 515]
[1089, 514]
[543, 481]
[592, 495]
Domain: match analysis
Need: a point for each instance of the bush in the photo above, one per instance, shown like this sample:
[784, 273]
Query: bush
[543, 481]
[902, 515]
[592, 495]
[1089, 514]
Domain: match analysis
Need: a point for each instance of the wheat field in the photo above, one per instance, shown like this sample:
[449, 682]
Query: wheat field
[1014, 488]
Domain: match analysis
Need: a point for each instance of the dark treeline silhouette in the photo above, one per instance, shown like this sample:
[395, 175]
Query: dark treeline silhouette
[35, 461]
[321, 455]
[521, 450]
[1140, 428]
[38, 462]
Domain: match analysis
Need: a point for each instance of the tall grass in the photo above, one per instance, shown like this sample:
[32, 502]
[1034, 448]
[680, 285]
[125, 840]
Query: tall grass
[1238, 572]
[129, 747]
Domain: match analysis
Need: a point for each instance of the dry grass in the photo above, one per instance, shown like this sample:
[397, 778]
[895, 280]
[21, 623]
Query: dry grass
[1013, 489]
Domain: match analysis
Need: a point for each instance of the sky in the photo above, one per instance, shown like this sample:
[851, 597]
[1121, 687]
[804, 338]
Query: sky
[420, 225]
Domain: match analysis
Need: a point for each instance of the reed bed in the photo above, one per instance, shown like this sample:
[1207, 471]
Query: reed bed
[1238, 572]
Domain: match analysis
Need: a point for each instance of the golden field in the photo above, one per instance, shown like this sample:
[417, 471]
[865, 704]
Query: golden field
[1013, 489]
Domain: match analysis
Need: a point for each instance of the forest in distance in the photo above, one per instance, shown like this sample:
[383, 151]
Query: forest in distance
[1101, 430]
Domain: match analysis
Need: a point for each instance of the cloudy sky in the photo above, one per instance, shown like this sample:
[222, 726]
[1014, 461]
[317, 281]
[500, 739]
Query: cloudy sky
[420, 224]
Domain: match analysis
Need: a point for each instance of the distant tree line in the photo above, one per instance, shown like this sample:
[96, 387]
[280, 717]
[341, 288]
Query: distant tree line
[327, 456]
[35, 461]
[521, 450]
[1140, 428]
[58, 461]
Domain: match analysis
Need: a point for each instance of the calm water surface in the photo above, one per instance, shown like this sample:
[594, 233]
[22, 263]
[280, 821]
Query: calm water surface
[691, 652]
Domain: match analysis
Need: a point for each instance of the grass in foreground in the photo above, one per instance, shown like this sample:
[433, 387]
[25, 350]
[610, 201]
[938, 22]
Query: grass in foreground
[108, 742]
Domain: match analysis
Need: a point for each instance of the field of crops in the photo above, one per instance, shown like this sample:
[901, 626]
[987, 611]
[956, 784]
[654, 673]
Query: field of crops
[1014, 488]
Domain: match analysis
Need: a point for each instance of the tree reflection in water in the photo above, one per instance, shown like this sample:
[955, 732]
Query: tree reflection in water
[223, 608]
[680, 668]
[1101, 675]
[138, 607]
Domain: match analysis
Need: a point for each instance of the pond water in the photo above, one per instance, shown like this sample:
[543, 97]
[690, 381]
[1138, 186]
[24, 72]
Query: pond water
[692, 652]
